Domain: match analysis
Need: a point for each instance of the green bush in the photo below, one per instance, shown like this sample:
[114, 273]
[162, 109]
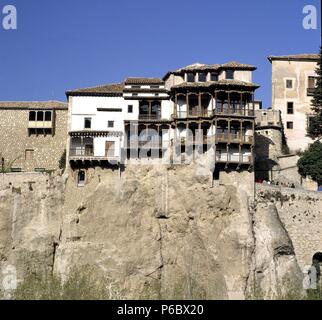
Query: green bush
[82, 284]
[310, 163]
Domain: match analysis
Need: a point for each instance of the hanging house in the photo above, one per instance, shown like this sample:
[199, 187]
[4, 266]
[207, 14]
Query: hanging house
[207, 106]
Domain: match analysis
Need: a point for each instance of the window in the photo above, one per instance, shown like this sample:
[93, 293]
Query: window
[190, 77]
[135, 94]
[40, 116]
[202, 77]
[41, 170]
[110, 124]
[154, 87]
[88, 123]
[136, 87]
[32, 116]
[214, 77]
[81, 178]
[48, 116]
[311, 82]
[130, 109]
[289, 84]
[230, 74]
[29, 154]
[289, 125]
[290, 108]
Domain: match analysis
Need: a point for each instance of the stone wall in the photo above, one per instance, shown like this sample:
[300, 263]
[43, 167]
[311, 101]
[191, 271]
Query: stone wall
[268, 146]
[14, 141]
[301, 213]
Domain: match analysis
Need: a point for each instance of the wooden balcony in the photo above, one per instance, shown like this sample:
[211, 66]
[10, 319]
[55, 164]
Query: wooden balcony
[234, 158]
[229, 138]
[193, 114]
[147, 144]
[87, 154]
[40, 125]
[149, 117]
[220, 110]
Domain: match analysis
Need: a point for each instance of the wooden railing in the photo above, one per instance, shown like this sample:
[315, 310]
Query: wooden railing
[236, 158]
[219, 137]
[210, 113]
[149, 117]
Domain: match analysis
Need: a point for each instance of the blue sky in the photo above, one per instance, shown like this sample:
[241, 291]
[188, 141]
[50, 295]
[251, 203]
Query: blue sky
[67, 44]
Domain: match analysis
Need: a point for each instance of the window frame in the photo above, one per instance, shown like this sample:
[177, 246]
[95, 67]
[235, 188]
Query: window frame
[190, 74]
[204, 74]
[290, 125]
[288, 107]
[90, 122]
[230, 72]
[287, 81]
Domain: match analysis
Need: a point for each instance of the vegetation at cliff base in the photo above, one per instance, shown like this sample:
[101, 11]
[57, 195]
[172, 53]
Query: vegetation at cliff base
[310, 163]
[81, 284]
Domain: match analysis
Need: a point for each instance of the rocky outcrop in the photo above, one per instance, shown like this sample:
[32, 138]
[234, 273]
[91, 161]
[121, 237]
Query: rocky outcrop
[157, 232]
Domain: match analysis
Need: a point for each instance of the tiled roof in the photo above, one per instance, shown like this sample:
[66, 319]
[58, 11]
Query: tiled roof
[139, 81]
[238, 65]
[297, 57]
[33, 105]
[200, 67]
[107, 89]
[220, 83]
[212, 67]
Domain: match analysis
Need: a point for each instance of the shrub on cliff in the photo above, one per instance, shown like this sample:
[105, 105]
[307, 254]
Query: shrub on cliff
[310, 163]
[315, 128]
[82, 284]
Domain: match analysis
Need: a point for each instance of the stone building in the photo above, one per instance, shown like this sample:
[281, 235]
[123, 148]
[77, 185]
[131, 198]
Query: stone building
[268, 143]
[293, 80]
[33, 135]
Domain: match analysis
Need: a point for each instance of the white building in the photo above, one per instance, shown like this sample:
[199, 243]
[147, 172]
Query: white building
[189, 107]
[97, 116]
[293, 79]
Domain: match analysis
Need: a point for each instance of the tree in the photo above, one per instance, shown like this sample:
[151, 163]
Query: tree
[310, 164]
[315, 128]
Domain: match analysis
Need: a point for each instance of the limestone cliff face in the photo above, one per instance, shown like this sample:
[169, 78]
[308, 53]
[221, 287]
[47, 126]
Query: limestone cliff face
[158, 232]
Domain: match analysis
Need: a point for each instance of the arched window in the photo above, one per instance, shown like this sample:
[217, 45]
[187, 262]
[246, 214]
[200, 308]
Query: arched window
[318, 257]
[40, 116]
[48, 116]
[32, 116]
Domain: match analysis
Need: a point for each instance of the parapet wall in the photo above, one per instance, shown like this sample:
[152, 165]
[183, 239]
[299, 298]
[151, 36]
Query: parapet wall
[301, 213]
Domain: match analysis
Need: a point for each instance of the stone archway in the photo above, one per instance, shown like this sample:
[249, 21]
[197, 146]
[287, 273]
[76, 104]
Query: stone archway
[318, 256]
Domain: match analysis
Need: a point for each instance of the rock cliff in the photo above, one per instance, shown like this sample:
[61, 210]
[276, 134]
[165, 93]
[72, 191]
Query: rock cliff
[157, 232]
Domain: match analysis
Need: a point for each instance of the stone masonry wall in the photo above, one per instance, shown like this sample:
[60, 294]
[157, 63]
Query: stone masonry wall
[14, 141]
[301, 213]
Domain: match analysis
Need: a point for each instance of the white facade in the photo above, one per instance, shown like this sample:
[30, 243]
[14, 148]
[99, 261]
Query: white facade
[100, 118]
[291, 96]
[107, 115]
